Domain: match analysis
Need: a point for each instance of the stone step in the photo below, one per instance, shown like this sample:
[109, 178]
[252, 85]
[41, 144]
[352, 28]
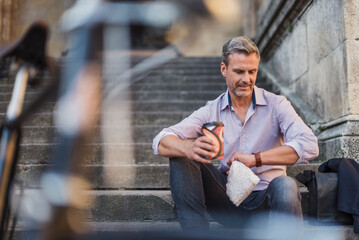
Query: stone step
[113, 119]
[182, 62]
[6, 88]
[148, 85]
[142, 205]
[173, 65]
[150, 230]
[6, 96]
[175, 94]
[129, 176]
[95, 154]
[122, 176]
[112, 206]
[178, 86]
[187, 72]
[110, 134]
[174, 77]
[128, 205]
[187, 86]
[190, 65]
[113, 154]
[128, 106]
[179, 61]
[218, 231]
[195, 60]
[139, 95]
[150, 118]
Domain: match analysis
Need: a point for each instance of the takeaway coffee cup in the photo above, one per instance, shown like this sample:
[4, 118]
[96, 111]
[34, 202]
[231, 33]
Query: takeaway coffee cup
[214, 130]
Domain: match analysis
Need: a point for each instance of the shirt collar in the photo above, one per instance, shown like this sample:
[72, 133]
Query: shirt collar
[257, 99]
[259, 96]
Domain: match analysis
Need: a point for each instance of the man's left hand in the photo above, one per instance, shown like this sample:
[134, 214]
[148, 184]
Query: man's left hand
[247, 159]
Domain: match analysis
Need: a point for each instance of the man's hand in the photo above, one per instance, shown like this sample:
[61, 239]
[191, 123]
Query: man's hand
[200, 148]
[247, 159]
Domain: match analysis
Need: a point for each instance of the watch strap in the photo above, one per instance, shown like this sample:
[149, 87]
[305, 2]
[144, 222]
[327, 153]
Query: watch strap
[258, 158]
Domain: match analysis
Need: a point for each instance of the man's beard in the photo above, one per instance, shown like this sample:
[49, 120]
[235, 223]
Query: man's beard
[241, 93]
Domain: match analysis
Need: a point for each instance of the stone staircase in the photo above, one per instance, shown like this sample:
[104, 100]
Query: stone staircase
[130, 188]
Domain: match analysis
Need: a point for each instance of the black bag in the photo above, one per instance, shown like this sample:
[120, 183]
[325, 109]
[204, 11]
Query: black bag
[322, 200]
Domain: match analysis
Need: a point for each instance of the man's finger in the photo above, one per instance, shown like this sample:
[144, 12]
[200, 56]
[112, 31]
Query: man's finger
[230, 161]
[206, 140]
[202, 160]
[234, 157]
[203, 152]
[207, 146]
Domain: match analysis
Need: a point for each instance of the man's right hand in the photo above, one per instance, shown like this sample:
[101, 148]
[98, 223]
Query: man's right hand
[200, 148]
[197, 150]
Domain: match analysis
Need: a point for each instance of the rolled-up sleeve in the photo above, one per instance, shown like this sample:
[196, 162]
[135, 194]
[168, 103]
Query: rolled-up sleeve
[296, 133]
[188, 128]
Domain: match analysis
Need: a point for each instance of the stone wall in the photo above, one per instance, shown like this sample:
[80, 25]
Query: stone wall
[314, 62]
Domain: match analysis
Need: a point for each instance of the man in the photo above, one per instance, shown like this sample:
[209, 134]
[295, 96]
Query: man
[255, 121]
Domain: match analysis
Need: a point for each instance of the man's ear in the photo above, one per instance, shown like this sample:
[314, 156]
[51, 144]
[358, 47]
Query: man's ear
[223, 69]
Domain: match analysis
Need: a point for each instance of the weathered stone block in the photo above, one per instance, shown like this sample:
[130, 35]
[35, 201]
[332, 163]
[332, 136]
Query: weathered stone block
[308, 90]
[340, 129]
[351, 18]
[296, 169]
[352, 51]
[326, 30]
[328, 80]
[343, 147]
[290, 60]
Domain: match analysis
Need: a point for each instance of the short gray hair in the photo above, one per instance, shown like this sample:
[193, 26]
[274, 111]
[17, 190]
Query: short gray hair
[239, 44]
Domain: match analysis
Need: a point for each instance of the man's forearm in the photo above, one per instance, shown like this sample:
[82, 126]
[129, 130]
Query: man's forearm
[283, 155]
[172, 146]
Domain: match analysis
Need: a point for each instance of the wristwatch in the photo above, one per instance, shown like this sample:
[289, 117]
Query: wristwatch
[257, 155]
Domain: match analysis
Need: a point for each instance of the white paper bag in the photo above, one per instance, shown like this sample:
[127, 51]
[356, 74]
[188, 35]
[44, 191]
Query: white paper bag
[240, 182]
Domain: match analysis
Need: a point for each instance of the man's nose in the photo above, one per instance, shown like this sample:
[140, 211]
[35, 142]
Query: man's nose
[246, 77]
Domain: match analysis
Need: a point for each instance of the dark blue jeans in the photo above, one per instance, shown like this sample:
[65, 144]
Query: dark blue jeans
[200, 189]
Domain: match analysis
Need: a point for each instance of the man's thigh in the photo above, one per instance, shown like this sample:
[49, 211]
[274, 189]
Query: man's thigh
[220, 207]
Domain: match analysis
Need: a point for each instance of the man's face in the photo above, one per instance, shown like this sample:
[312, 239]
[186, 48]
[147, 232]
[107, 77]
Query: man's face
[241, 73]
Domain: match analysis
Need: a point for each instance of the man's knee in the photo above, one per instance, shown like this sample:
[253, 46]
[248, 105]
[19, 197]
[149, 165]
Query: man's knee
[182, 162]
[284, 189]
[284, 196]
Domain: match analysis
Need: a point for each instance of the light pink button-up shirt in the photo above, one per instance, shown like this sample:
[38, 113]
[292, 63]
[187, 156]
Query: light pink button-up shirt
[270, 122]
